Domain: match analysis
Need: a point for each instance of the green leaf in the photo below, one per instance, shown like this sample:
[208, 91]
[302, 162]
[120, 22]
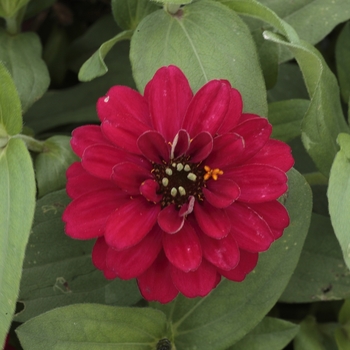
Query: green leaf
[344, 314]
[269, 334]
[36, 6]
[57, 269]
[128, 14]
[177, 2]
[286, 117]
[8, 8]
[95, 66]
[232, 310]
[324, 119]
[21, 55]
[321, 273]
[17, 193]
[52, 163]
[339, 195]
[78, 104]
[10, 105]
[342, 56]
[207, 41]
[93, 326]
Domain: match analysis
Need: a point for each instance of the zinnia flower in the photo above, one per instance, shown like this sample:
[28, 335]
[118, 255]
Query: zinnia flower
[179, 189]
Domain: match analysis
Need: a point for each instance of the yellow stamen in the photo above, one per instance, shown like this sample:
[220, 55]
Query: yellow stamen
[212, 173]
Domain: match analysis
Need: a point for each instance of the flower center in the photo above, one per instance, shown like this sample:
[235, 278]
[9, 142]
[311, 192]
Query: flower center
[179, 179]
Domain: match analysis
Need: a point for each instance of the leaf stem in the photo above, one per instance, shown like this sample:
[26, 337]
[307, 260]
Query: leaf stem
[12, 25]
[316, 178]
[172, 8]
[31, 143]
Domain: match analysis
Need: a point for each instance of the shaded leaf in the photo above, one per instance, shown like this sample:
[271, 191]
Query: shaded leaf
[8, 8]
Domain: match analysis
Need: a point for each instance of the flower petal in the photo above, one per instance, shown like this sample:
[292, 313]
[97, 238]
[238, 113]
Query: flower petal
[214, 222]
[246, 264]
[87, 215]
[221, 193]
[183, 249]
[99, 253]
[130, 223]
[200, 147]
[197, 283]
[121, 102]
[258, 183]
[85, 136]
[134, 261]
[170, 220]
[180, 144]
[275, 214]
[227, 149]
[79, 181]
[233, 113]
[129, 176]
[153, 146]
[208, 108]
[168, 95]
[155, 284]
[274, 153]
[250, 230]
[222, 253]
[99, 160]
[149, 190]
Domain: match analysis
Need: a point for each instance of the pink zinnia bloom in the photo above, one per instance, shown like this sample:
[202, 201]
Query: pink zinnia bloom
[179, 189]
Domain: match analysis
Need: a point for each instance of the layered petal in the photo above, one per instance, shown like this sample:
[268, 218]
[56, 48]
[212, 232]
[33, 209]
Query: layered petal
[246, 264]
[180, 144]
[87, 215]
[168, 95]
[221, 193]
[201, 146]
[149, 190]
[208, 108]
[183, 248]
[99, 253]
[132, 262]
[170, 220]
[130, 223]
[258, 183]
[250, 230]
[155, 283]
[153, 146]
[197, 283]
[214, 222]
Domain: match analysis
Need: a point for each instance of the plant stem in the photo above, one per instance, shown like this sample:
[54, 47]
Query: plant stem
[12, 25]
[31, 143]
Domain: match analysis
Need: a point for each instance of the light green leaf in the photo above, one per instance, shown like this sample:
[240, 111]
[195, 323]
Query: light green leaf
[52, 163]
[342, 56]
[324, 119]
[339, 195]
[207, 41]
[10, 105]
[321, 273]
[269, 334]
[17, 193]
[21, 55]
[232, 310]
[286, 117]
[95, 66]
[342, 334]
[92, 327]
[8, 8]
[128, 14]
[57, 269]
[176, 2]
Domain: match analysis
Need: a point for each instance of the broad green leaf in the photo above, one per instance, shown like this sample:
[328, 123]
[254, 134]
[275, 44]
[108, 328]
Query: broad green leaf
[339, 195]
[321, 273]
[344, 314]
[269, 334]
[342, 56]
[10, 105]
[8, 8]
[324, 119]
[57, 269]
[21, 55]
[52, 163]
[232, 310]
[176, 2]
[78, 104]
[95, 66]
[207, 41]
[17, 193]
[286, 117]
[290, 84]
[342, 334]
[128, 14]
[92, 327]
[312, 337]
